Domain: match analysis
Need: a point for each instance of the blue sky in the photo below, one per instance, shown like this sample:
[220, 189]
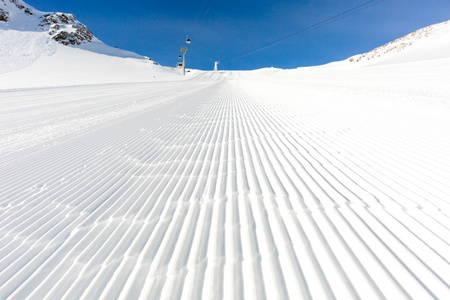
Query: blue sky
[158, 28]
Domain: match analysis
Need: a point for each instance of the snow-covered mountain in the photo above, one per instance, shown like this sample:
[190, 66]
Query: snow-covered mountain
[64, 28]
[53, 49]
[431, 42]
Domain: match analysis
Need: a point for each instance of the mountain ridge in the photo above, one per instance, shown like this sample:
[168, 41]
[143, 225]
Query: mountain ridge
[34, 42]
[64, 28]
[410, 43]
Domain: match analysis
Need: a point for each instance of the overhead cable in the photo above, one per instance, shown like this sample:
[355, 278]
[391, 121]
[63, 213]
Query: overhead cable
[310, 28]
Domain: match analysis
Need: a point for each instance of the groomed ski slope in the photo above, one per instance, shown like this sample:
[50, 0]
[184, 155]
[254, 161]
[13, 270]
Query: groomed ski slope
[321, 183]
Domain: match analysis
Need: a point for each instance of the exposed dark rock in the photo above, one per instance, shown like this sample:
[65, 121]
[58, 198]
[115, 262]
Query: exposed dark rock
[81, 34]
[65, 29]
[20, 6]
[58, 18]
[4, 16]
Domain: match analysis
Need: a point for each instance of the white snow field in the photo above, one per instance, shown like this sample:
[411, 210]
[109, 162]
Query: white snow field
[31, 57]
[330, 182]
[44, 63]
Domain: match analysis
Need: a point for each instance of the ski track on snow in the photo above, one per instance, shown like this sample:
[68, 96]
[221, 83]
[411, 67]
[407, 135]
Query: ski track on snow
[225, 192]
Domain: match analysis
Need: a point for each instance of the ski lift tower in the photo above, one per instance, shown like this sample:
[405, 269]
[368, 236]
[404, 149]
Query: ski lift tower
[184, 50]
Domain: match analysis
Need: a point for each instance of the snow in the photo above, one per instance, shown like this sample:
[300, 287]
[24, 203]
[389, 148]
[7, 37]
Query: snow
[120, 179]
[432, 42]
[76, 66]
[18, 19]
[30, 58]
[21, 49]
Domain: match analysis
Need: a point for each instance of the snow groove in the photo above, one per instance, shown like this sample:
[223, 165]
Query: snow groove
[226, 192]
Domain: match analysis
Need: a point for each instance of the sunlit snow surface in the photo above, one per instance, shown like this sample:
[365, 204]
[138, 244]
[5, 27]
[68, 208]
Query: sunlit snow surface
[313, 183]
[121, 179]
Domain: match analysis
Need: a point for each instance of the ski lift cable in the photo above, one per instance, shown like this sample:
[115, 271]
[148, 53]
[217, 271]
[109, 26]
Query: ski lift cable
[188, 41]
[310, 28]
[200, 11]
[206, 12]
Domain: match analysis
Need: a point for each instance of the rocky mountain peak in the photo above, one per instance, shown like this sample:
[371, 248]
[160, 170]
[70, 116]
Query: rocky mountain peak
[64, 28]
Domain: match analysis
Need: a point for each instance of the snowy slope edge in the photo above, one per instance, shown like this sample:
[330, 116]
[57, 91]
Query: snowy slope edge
[434, 41]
